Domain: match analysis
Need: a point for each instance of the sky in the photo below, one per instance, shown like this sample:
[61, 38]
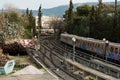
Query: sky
[34, 4]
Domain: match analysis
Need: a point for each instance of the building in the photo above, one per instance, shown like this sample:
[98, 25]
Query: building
[47, 23]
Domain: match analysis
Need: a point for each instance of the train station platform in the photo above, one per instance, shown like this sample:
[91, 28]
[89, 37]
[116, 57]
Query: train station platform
[106, 64]
[92, 71]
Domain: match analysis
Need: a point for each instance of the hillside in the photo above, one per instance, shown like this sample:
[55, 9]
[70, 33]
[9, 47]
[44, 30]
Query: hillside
[59, 10]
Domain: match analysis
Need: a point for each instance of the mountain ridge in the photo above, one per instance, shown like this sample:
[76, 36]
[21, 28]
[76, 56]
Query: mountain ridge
[60, 10]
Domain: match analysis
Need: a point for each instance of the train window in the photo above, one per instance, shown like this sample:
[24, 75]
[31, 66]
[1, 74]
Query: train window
[119, 50]
[102, 46]
[98, 45]
[88, 44]
[116, 50]
[111, 49]
[80, 42]
[92, 44]
[95, 45]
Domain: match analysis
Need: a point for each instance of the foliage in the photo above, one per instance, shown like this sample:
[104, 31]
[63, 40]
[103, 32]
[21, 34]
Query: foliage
[95, 21]
[69, 18]
[39, 20]
[83, 10]
[30, 27]
[27, 12]
[13, 24]
[58, 25]
[13, 17]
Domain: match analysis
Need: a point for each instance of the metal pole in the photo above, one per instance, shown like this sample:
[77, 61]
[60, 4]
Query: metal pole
[73, 51]
[73, 56]
[106, 48]
[105, 52]
[74, 40]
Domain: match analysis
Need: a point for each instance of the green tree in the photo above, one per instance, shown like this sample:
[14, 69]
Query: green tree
[81, 20]
[83, 10]
[39, 21]
[32, 23]
[92, 22]
[27, 11]
[30, 28]
[69, 18]
[13, 17]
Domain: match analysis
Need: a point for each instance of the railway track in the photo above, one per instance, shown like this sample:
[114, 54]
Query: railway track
[51, 60]
[81, 57]
[65, 49]
[80, 53]
[46, 65]
[53, 53]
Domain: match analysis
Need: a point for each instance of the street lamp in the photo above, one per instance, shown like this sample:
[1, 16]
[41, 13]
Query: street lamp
[74, 40]
[106, 48]
[73, 56]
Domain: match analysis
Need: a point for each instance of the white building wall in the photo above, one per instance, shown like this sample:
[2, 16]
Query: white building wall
[46, 21]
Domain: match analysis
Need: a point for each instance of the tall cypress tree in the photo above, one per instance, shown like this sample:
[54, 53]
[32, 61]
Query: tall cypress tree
[39, 21]
[30, 19]
[27, 11]
[116, 36]
[31, 25]
[70, 18]
[92, 22]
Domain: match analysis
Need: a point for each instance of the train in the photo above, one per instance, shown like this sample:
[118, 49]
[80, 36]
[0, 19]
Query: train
[109, 50]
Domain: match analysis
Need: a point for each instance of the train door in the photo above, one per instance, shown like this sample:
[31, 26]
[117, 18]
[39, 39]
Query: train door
[111, 53]
[84, 45]
[77, 43]
[116, 52]
[98, 48]
[119, 54]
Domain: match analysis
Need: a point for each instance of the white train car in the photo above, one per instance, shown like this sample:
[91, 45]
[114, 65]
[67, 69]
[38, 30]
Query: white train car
[98, 47]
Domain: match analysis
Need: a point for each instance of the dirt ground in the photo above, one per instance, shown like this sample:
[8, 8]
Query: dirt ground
[26, 60]
[45, 76]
